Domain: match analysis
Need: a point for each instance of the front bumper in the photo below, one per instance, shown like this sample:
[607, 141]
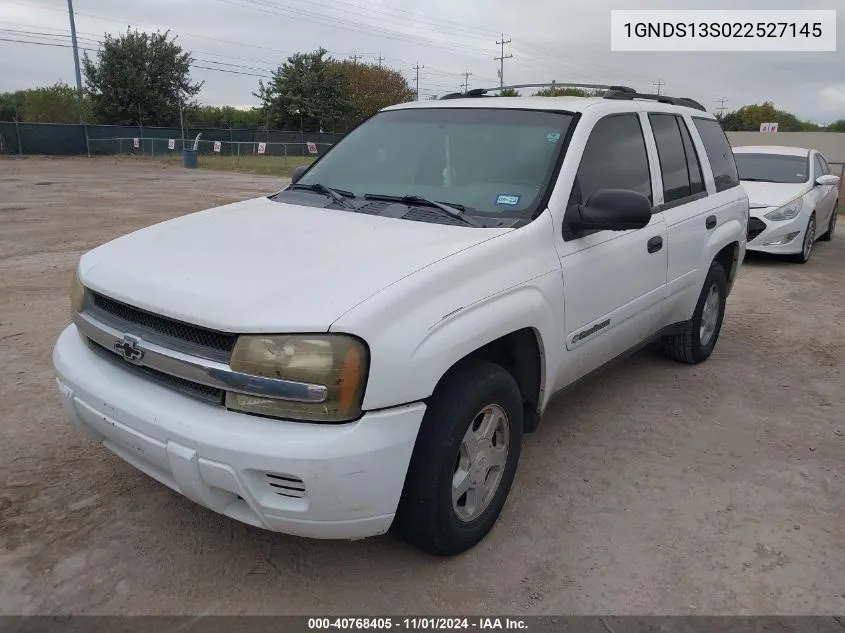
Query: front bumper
[313, 480]
[776, 230]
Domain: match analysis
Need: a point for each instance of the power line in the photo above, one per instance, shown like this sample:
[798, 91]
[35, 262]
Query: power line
[722, 108]
[502, 59]
[659, 83]
[380, 59]
[355, 58]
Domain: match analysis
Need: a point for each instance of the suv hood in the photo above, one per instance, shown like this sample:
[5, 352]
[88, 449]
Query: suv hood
[265, 266]
[773, 194]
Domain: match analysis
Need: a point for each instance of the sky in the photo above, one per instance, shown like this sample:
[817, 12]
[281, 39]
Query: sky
[237, 42]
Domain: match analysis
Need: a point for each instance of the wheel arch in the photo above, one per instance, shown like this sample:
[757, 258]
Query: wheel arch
[520, 353]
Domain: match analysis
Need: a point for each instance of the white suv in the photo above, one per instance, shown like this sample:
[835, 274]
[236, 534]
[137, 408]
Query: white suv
[367, 347]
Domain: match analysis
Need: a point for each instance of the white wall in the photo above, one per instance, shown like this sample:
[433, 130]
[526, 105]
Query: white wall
[831, 144]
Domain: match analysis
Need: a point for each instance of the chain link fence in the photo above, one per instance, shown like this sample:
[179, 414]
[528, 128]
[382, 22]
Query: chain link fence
[163, 147]
[59, 139]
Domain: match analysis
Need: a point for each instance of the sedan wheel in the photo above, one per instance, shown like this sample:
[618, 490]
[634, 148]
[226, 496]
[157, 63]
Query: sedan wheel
[809, 239]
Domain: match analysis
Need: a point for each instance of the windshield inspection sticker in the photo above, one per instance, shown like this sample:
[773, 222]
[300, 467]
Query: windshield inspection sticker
[508, 200]
[553, 137]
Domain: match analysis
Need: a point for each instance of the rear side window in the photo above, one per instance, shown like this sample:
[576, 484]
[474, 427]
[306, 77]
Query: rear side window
[673, 161]
[696, 178]
[614, 158]
[678, 161]
[719, 153]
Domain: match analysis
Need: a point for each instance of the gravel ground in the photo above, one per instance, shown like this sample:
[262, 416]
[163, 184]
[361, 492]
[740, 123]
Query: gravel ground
[656, 488]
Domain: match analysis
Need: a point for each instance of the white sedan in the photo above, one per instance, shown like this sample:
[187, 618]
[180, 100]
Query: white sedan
[793, 198]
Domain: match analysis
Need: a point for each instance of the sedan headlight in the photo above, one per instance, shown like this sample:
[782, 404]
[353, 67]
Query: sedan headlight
[335, 361]
[77, 293]
[787, 211]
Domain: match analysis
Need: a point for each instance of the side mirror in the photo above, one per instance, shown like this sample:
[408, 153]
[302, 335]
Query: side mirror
[828, 179]
[297, 173]
[610, 210]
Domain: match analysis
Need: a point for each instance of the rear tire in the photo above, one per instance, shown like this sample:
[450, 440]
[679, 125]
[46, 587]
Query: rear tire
[831, 226]
[697, 341]
[807, 245]
[434, 514]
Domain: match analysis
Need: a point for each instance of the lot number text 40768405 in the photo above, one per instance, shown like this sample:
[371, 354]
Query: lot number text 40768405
[418, 624]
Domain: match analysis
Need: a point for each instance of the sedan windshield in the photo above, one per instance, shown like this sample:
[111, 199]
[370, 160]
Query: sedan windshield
[773, 168]
[487, 161]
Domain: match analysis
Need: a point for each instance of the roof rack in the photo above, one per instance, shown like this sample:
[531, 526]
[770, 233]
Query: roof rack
[482, 92]
[613, 92]
[678, 101]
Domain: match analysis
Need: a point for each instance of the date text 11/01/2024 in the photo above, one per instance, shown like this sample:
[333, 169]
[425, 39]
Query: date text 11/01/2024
[418, 624]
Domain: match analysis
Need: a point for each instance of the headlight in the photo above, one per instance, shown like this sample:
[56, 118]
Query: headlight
[77, 293]
[335, 361]
[787, 211]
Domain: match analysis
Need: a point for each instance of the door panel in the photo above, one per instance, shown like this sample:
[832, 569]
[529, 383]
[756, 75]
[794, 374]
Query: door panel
[614, 282]
[614, 289]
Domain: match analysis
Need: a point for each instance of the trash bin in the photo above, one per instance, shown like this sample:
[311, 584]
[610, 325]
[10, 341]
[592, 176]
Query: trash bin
[189, 158]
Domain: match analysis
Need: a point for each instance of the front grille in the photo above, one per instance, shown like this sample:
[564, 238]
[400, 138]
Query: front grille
[755, 227]
[193, 389]
[132, 320]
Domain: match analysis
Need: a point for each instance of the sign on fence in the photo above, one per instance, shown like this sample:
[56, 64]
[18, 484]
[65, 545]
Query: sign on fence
[768, 127]
[312, 148]
[217, 146]
[171, 143]
[136, 143]
[262, 147]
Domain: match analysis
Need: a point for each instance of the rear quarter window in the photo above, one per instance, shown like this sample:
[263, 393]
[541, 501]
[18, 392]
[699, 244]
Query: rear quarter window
[719, 153]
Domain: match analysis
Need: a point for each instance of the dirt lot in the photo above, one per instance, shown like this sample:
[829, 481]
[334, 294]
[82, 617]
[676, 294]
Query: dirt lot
[656, 489]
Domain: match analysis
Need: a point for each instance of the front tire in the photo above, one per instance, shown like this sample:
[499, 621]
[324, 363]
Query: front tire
[464, 460]
[697, 341]
[831, 226]
[807, 245]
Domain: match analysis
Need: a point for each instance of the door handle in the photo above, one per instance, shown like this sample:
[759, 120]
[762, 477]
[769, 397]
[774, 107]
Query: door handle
[655, 244]
[710, 222]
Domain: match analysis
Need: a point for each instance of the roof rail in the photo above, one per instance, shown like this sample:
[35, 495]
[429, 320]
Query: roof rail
[678, 101]
[482, 92]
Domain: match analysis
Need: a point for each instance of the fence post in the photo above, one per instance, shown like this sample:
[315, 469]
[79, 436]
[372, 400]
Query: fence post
[18, 134]
[87, 140]
[285, 146]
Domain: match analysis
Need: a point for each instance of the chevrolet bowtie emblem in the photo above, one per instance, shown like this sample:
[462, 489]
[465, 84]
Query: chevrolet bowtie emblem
[130, 348]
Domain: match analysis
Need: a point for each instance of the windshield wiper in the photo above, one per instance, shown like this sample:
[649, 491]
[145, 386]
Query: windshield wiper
[453, 210]
[338, 195]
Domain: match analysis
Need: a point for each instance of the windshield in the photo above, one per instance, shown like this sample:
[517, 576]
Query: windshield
[492, 161]
[773, 167]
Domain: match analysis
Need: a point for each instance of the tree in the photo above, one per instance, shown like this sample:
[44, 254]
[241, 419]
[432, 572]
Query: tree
[748, 119]
[139, 77]
[836, 126]
[58, 103]
[224, 116]
[566, 92]
[307, 90]
[369, 88]
[509, 92]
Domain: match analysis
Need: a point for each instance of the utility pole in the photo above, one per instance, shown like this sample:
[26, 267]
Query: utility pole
[75, 49]
[502, 59]
[417, 68]
[722, 107]
[380, 59]
[465, 85]
[659, 83]
[355, 58]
